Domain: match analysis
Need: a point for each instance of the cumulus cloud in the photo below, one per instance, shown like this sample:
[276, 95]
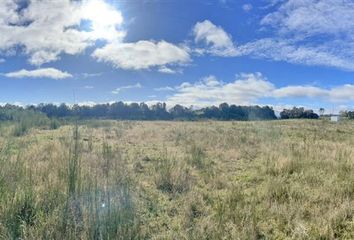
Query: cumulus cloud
[45, 29]
[313, 32]
[248, 89]
[39, 73]
[342, 93]
[118, 90]
[142, 54]
[217, 41]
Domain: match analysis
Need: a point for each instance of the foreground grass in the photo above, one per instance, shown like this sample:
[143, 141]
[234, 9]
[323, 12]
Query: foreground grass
[179, 180]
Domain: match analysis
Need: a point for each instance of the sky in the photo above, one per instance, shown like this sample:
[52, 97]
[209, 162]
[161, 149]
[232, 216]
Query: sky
[280, 53]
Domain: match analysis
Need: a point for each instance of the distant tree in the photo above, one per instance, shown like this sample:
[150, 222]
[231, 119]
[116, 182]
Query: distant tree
[237, 113]
[211, 112]
[298, 113]
[348, 114]
[321, 111]
[116, 110]
[180, 112]
[145, 111]
[159, 111]
[63, 110]
[224, 109]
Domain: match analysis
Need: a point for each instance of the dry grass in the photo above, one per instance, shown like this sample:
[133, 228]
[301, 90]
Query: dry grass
[179, 180]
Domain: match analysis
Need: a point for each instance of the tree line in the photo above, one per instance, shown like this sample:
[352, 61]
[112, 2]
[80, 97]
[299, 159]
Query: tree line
[158, 111]
[141, 111]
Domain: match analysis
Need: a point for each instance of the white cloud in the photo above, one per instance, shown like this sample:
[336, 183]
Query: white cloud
[45, 29]
[217, 41]
[300, 91]
[168, 70]
[342, 93]
[118, 90]
[2, 60]
[142, 54]
[88, 87]
[313, 32]
[39, 73]
[248, 89]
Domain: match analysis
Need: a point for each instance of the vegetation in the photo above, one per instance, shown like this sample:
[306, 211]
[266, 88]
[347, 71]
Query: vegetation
[135, 111]
[348, 114]
[100, 179]
[298, 113]
[25, 119]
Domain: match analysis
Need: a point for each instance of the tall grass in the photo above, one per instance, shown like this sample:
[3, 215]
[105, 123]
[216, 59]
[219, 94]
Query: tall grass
[220, 180]
[73, 215]
[79, 206]
[172, 175]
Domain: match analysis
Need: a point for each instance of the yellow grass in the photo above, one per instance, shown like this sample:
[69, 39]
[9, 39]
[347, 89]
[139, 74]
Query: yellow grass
[179, 180]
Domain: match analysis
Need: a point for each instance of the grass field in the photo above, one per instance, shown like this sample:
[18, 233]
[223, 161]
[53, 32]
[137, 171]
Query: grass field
[179, 180]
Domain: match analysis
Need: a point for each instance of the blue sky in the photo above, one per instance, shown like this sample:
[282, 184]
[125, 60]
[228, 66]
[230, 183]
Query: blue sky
[191, 52]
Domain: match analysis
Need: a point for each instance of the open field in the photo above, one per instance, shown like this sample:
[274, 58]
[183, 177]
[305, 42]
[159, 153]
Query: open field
[179, 180]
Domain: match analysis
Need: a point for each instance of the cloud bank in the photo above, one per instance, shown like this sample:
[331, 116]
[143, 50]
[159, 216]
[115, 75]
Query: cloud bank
[248, 89]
